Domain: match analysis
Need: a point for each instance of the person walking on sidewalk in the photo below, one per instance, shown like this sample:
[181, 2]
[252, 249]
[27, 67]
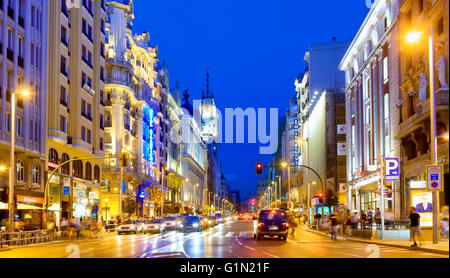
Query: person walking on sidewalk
[334, 225]
[414, 218]
[292, 220]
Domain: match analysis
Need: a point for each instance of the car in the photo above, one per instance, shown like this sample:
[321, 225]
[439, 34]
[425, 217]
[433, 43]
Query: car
[190, 223]
[212, 221]
[131, 226]
[169, 223]
[242, 216]
[271, 223]
[153, 226]
[220, 218]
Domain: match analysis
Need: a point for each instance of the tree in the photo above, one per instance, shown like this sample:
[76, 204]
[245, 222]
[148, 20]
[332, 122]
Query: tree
[331, 199]
[130, 205]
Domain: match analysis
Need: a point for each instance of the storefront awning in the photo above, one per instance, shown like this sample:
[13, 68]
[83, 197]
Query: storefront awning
[21, 206]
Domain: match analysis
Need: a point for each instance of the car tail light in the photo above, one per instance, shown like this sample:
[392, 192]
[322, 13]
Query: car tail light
[260, 224]
[286, 224]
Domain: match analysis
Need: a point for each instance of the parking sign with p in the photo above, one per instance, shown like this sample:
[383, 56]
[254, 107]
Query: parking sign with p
[434, 177]
[391, 169]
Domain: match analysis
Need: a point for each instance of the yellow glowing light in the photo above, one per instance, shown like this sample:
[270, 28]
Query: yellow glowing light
[24, 93]
[284, 165]
[3, 168]
[413, 37]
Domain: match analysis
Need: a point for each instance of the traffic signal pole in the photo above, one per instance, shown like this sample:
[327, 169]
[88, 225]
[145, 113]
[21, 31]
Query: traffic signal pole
[259, 167]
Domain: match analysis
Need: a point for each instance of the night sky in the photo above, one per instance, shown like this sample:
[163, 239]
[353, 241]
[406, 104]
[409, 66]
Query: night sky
[253, 49]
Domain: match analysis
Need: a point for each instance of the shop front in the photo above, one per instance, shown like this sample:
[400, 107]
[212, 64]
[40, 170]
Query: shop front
[29, 212]
[85, 200]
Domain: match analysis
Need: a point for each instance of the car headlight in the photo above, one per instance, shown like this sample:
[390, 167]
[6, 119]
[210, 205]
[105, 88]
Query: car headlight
[195, 225]
[180, 225]
[133, 227]
[209, 222]
[120, 228]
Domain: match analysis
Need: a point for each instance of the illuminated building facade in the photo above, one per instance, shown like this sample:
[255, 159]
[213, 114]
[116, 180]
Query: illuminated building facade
[131, 121]
[412, 110]
[371, 66]
[23, 44]
[75, 106]
[194, 160]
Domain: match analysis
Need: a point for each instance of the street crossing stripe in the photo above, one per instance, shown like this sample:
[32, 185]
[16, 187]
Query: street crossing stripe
[243, 234]
[229, 234]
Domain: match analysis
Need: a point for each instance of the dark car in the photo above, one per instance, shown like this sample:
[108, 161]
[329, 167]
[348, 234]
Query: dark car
[271, 223]
[190, 223]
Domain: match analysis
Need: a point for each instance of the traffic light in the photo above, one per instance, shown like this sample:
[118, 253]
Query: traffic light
[259, 168]
[320, 195]
[124, 160]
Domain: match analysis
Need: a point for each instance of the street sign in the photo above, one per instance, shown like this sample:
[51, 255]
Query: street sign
[391, 169]
[66, 190]
[386, 191]
[434, 177]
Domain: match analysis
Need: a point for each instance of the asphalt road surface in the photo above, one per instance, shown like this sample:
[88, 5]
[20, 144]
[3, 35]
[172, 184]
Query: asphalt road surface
[230, 240]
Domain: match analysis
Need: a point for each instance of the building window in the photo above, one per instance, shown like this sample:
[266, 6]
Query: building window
[386, 69]
[62, 123]
[96, 173]
[63, 65]
[19, 126]
[65, 169]
[35, 175]
[62, 96]
[88, 136]
[83, 133]
[20, 173]
[88, 171]
[101, 143]
[78, 169]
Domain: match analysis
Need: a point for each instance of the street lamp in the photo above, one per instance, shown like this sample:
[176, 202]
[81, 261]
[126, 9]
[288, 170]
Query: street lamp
[285, 165]
[11, 166]
[414, 37]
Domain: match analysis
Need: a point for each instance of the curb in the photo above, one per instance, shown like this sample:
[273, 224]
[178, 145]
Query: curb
[430, 250]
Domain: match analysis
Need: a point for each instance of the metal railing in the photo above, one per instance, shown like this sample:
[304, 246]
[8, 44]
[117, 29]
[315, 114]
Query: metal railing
[24, 238]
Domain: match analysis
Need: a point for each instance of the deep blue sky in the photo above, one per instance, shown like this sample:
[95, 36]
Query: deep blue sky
[254, 50]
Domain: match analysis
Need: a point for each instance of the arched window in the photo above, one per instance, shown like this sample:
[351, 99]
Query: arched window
[65, 169]
[78, 169]
[52, 158]
[20, 175]
[96, 173]
[88, 174]
[35, 174]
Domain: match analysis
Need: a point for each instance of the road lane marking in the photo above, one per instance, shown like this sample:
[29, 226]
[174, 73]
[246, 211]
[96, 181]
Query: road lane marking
[240, 243]
[229, 234]
[268, 254]
[242, 234]
[248, 247]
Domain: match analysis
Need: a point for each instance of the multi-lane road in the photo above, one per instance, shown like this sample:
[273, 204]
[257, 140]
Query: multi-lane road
[229, 240]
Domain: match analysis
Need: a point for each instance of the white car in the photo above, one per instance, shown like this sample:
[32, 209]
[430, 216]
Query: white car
[169, 223]
[130, 227]
[152, 226]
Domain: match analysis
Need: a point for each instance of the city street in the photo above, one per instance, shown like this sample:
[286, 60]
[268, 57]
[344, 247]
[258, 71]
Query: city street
[230, 240]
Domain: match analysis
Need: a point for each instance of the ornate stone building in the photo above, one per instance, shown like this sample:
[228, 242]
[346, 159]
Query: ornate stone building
[131, 117]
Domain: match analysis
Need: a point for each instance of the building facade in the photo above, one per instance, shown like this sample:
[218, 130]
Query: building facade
[371, 69]
[411, 112]
[75, 106]
[23, 62]
[321, 112]
[131, 125]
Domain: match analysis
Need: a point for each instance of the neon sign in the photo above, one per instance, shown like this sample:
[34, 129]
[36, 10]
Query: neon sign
[148, 144]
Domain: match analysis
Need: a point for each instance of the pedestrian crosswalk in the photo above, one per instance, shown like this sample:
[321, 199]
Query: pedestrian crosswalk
[204, 234]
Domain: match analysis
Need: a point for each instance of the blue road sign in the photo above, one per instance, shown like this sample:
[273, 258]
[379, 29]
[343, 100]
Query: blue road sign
[391, 169]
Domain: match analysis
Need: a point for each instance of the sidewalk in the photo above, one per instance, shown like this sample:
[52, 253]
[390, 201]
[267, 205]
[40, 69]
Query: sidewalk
[441, 248]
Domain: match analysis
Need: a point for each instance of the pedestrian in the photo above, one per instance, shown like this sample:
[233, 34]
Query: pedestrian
[363, 219]
[444, 221]
[64, 227]
[414, 219]
[355, 220]
[334, 225]
[51, 229]
[292, 220]
[370, 219]
[93, 226]
[347, 224]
